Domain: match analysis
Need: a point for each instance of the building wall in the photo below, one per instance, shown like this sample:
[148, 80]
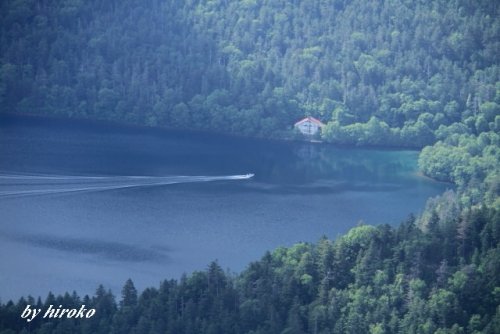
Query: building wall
[308, 128]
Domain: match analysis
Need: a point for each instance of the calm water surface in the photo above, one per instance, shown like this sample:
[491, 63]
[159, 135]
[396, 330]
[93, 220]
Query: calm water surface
[83, 204]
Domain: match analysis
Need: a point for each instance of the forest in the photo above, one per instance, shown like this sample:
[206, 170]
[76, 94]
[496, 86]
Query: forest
[439, 273]
[391, 73]
[396, 72]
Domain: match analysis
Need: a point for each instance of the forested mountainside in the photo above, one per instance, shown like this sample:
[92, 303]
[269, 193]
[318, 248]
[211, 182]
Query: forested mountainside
[395, 72]
[438, 274]
[421, 74]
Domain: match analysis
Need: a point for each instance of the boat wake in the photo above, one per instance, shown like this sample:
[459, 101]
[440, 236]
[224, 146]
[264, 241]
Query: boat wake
[18, 185]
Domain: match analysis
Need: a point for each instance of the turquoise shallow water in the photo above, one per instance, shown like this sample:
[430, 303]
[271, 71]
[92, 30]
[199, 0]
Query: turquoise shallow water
[83, 204]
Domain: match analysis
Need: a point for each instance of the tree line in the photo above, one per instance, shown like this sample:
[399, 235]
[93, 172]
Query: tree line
[399, 73]
[439, 273]
[420, 74]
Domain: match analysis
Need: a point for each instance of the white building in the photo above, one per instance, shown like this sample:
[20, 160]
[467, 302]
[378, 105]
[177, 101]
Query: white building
[309, 126]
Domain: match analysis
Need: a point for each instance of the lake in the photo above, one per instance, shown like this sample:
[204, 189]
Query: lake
[85, 203]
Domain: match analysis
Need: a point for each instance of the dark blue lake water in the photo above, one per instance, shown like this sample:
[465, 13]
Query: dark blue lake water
[83, 204]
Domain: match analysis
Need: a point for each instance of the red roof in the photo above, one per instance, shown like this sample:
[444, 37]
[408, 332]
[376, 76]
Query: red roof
[310, 119]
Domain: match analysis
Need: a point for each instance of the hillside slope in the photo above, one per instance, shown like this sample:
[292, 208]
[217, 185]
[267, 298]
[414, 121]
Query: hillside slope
[401, 73]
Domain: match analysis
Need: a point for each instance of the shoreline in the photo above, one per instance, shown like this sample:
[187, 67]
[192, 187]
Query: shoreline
[420, 174]
[163, 129]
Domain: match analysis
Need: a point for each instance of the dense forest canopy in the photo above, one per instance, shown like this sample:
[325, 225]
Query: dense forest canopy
[401, 73]
[438, 275]
[398, 73]
[422, 74]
